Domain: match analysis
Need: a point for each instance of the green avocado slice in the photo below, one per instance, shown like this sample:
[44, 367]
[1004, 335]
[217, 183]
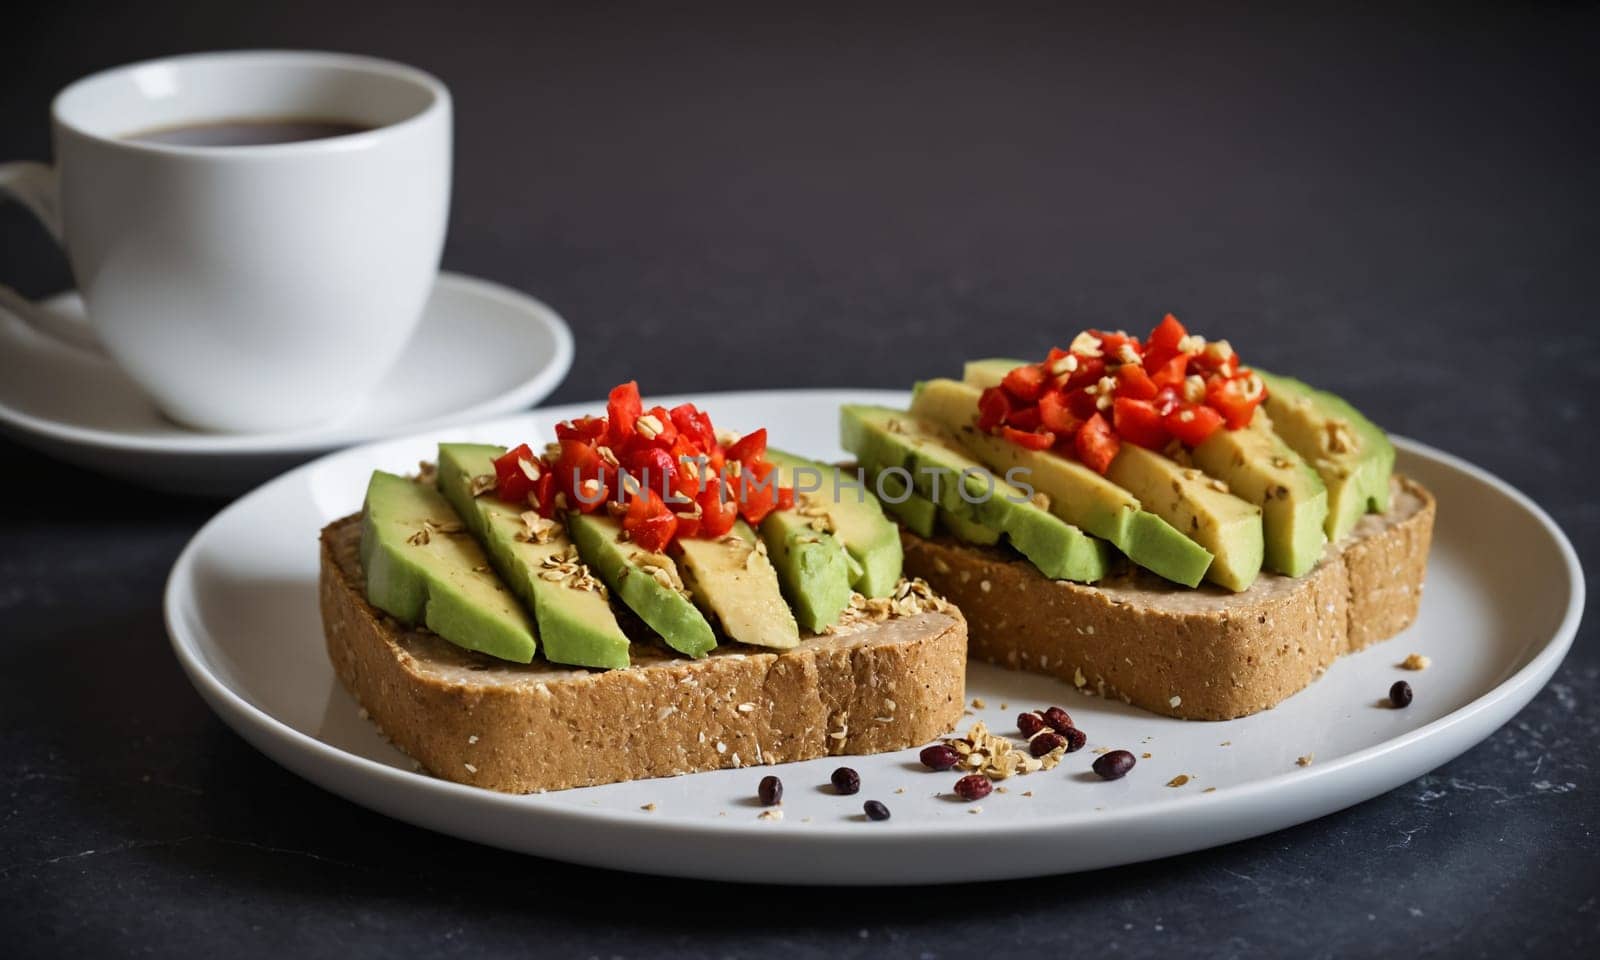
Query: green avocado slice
[1230, 528]
[732, 580]
[1351, 453]
[1076, 493]
[576, 624]
[813, 569]
[882, 438]
[422, 568]
[854, 516]
[917, 514]
[649, 584]
[922, 516]
[1259, 467]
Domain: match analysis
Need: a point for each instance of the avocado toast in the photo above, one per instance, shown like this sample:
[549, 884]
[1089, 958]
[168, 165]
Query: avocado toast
[1235, 531]
[645, 598]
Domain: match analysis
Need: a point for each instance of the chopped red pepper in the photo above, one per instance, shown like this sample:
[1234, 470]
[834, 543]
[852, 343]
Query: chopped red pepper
[649, 522]
[622, 411]
[1193, 423]
[1134, 383]
[749, 448]
[993, 408]
[1172, 385]
[1025, 383]
[1231, 399]
[516, 473]
[1096, 445]
[1033, 440]
[1138, 423]
[661, 471]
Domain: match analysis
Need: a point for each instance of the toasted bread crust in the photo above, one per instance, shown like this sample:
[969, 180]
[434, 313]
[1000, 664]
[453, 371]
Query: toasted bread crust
[868, 688]
[1199, 654]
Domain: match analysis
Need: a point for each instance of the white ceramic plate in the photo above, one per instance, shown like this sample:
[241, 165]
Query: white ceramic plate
[1503, 598]
[73, 403]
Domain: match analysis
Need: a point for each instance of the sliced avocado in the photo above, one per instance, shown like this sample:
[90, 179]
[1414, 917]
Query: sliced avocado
[1184, 497]
[576, 625]
[922, 516]
[813, 568]
[940, 471]
[648, 583]
[732, 580]
[969, 531]
[1261, 468]
[988, 372]
[1351, 453]
[423, 568]
[1076, 493]
[853, 516]
[917, 514]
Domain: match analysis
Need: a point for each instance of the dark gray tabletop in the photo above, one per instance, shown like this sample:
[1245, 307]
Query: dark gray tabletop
[1401, 208]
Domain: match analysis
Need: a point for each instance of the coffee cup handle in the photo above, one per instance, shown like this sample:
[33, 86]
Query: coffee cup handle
[34, 186]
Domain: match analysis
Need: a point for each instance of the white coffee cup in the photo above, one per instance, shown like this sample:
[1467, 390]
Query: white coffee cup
[249, 288]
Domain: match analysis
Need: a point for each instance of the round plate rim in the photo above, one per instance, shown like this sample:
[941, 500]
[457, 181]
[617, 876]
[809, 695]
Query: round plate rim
[287, 745]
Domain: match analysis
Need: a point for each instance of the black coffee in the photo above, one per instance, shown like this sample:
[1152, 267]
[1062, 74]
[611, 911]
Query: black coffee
[247, 133]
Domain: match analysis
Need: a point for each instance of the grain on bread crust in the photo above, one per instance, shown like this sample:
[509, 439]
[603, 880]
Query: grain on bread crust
[867, 688]
[1199, 654]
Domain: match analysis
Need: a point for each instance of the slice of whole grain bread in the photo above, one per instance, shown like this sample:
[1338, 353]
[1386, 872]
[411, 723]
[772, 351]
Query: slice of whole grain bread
[1200, 654]
[875, 683]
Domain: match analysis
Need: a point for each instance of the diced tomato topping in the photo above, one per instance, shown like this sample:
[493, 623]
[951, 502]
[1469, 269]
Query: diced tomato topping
[695, 424]
[1096, 445]
[993, 408]
[1163, 341]
[757, 497]
[1138, 423]
[1056, 416]
[1134, 383]
[749, 448]
[1089, 371]
[717, 512]
[1026, 418]
[516, 474]
[649, 523]
[1025, 383]
[622, 411]
[653, 468]
[1153, 396]
[1031, 439]
[1112, 343]
[1228, 397]
[587, 429]
[1192, 423]
[1169, 373]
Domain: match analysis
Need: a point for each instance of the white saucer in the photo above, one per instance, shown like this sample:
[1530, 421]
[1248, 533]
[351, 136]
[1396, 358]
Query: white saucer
[241, 606]
[481, 350]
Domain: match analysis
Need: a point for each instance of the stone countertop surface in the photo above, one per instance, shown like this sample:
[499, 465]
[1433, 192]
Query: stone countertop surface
[1400, 208]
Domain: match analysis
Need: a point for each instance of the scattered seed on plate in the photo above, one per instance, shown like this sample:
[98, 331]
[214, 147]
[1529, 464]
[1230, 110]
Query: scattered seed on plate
[1400, 695]
[1044, 741]
[1075, 739]
[875, 810]
[1030, 723]
[1058, 720]
[939, 757]
[770, 791]
[846, 781]
[1114, 765]
[973, 786]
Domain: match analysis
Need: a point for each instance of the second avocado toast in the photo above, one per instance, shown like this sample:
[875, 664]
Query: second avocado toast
[509, 617]
[1159, 522]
